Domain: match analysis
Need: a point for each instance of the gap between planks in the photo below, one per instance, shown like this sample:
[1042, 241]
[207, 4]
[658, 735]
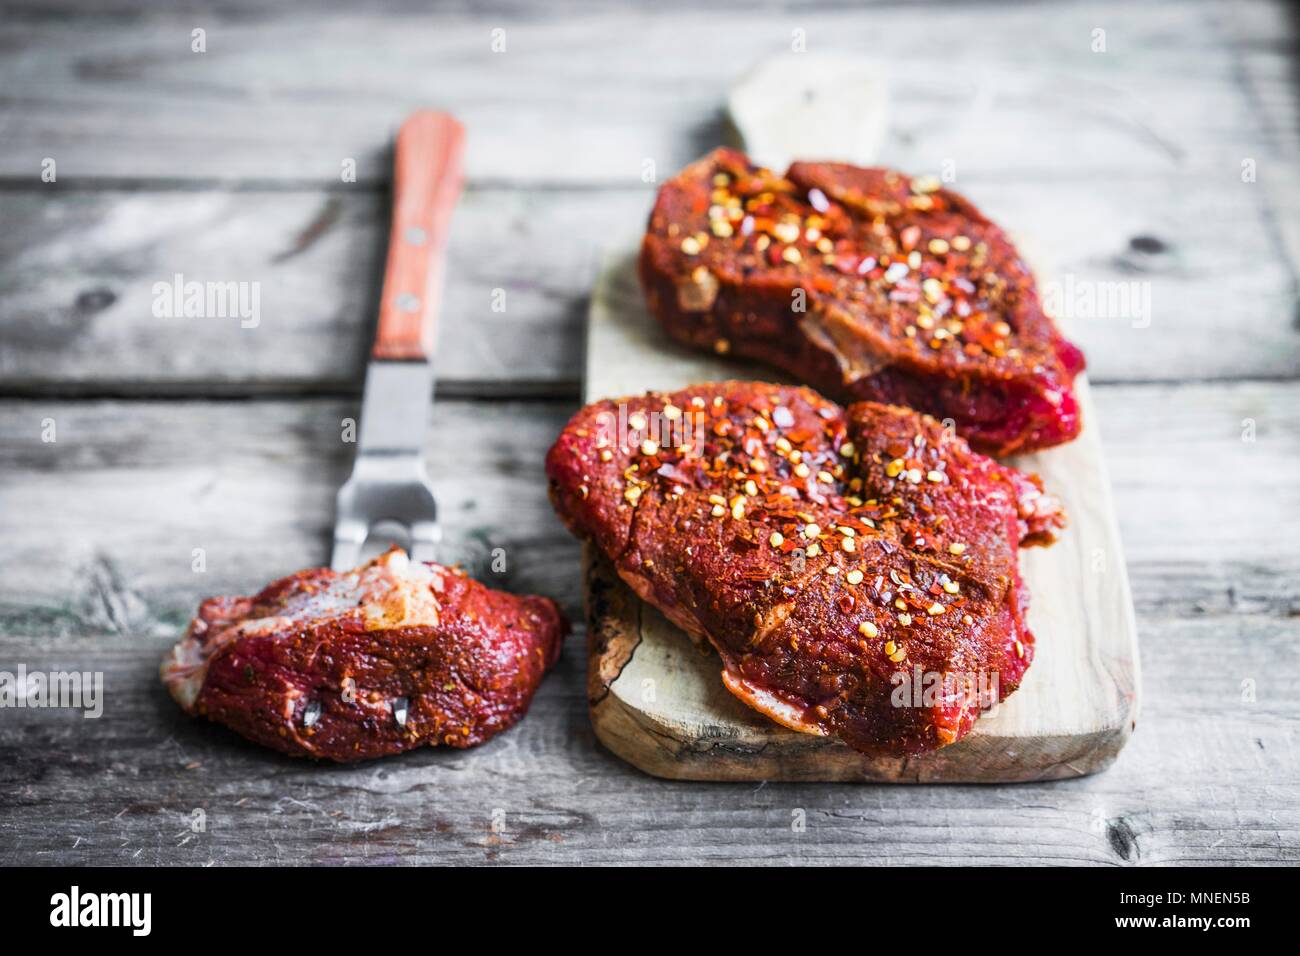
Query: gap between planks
[563, 390]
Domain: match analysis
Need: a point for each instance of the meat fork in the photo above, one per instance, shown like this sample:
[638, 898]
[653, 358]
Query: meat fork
[389, 482]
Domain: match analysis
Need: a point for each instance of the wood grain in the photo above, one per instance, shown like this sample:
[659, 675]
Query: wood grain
[226, 166]
[77, 270]
[1006, 90]
[1207, 779]
[97, 528]
[96, 532]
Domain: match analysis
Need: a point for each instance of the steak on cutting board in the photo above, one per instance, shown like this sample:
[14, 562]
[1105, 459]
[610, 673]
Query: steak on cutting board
[390, 656]
[822, 552]
[867, 285]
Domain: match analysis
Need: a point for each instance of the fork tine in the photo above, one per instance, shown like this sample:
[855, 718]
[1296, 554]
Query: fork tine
[347, 556]
[425, 536]
[349, 536]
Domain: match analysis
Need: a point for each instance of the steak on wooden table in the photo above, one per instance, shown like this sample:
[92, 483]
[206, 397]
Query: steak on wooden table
[347, 666]
[867, 285]
[823, 552]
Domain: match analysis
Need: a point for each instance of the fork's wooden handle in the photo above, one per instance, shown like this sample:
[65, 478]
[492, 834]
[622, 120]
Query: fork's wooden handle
[426, 184]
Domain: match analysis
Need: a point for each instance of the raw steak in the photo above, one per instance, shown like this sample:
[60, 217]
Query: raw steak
[867, 285]
[388, 657]
[824, 553]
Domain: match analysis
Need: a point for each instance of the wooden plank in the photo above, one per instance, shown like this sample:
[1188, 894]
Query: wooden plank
[96, 532]
[1008, 92]
[97, 528]
[124, 788]
[104, 521]
[1267, 53]
[77, 275]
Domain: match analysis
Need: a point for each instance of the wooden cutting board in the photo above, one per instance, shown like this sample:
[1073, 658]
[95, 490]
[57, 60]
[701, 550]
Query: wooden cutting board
[657, 699]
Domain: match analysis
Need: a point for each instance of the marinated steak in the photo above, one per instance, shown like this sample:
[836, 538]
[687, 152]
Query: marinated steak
[867, 285]
[829, 555]
[388, 657]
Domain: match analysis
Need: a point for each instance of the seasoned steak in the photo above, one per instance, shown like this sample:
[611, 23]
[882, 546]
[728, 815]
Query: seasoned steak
[827, 554]
[867, 285]
[388, 657]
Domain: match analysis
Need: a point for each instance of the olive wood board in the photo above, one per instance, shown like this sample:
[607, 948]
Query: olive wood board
[657, 699]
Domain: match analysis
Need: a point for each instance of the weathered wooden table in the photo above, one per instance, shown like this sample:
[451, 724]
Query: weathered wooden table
[1170, 158]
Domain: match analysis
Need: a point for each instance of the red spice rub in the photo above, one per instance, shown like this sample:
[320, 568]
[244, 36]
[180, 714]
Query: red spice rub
[866, 284]
[822, 552]
[388, 657]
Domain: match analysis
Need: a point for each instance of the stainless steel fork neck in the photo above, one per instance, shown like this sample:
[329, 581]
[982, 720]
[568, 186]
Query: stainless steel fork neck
[389, 481]
[395, 408]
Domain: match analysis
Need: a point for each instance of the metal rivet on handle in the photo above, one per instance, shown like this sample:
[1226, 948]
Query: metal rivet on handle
[408, 302]
[416, 236]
